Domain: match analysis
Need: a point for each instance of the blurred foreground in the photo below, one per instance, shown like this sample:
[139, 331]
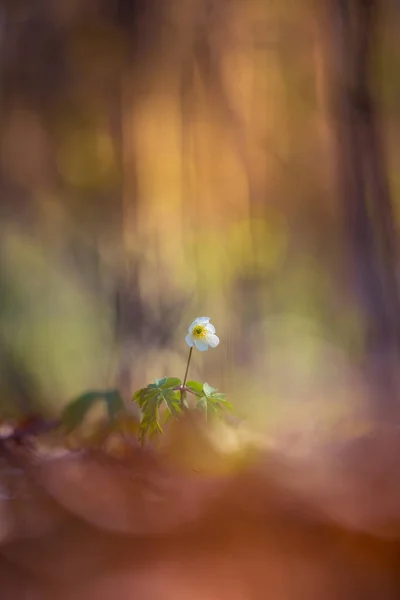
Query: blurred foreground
[233, 522]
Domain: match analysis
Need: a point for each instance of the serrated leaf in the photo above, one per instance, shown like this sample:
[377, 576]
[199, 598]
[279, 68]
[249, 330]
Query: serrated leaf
[146, 395]
[172, 402]
[150, 422]
[172, 394]
[155, 427]
[139, 396]
[154, 401]
[149, 426]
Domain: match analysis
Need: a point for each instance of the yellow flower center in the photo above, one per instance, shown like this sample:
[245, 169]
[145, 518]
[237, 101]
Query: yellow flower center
[199, 331]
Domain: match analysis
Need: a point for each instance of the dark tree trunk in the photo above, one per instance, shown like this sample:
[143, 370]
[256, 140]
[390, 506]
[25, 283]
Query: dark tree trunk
[362, 179]
[363, 184]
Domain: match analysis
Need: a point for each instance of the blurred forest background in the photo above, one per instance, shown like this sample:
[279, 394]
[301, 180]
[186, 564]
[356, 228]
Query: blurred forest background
[165, 159]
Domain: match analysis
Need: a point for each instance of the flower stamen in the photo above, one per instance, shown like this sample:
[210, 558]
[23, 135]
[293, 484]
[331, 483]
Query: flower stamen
[199, 331]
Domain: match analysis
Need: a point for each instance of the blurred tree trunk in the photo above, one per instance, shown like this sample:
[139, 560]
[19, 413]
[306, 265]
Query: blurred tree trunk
[363, 181]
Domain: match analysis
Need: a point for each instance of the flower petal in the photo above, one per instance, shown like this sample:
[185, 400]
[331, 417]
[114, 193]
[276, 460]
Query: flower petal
[200, 321]
[189, 340]
[201, 345]
[212, 340]
[210, 328]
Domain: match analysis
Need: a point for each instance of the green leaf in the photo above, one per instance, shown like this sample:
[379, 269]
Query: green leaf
[166, 392]
[172, 402]
[157, 383]
[171, 382]
[167, 416]
[172, 394]
[139, 396]
[145, 395]
[227, 406]
[143, 428]
[165, 382]
[75, 412]
[218, 396]
[154, 401]
[149, 425]
[202, 405]
[138, 393]
[114, 403]
[208, 390]
[219, 403]
[155, 427]
[150, 405]
[195, 386]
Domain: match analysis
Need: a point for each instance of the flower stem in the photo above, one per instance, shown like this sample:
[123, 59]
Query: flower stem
[186, 373]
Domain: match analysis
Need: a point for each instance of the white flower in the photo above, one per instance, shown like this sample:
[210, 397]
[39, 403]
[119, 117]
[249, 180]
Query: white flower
[202, 334]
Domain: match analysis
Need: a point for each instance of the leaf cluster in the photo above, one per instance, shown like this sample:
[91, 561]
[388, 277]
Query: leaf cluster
[167, 398]
[209, 399]
[159, 402]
